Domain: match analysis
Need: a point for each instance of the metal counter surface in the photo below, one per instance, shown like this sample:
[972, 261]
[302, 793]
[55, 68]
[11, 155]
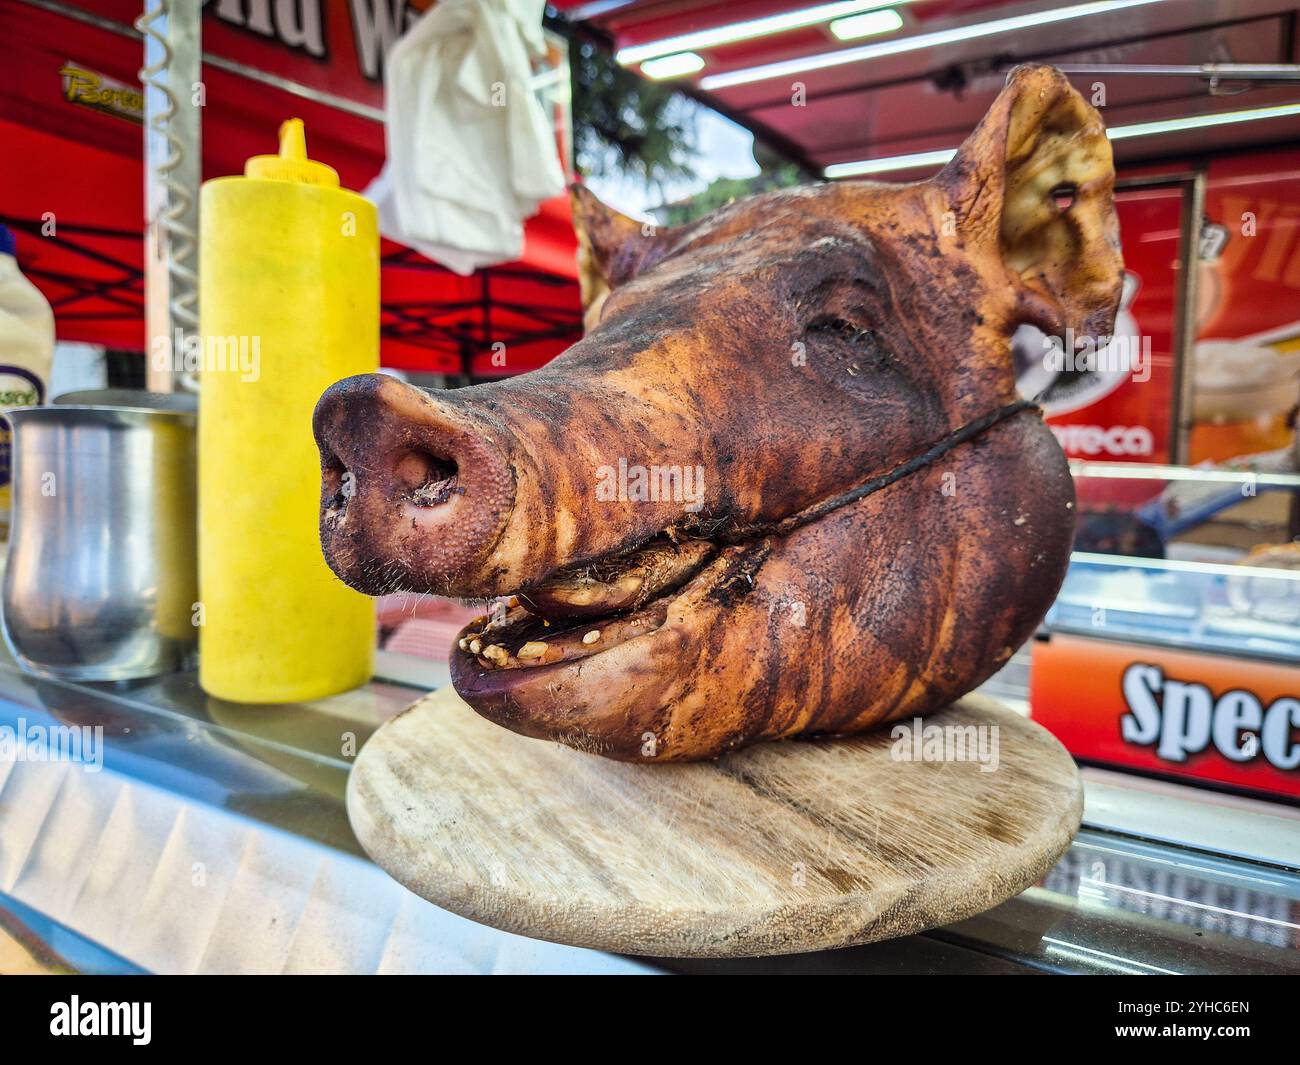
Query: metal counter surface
[213, 838]
[209, 837]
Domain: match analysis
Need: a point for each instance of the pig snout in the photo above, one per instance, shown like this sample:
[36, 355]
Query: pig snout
[414, 491]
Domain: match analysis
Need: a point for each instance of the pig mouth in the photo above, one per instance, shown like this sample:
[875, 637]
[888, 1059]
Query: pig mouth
[582, 611]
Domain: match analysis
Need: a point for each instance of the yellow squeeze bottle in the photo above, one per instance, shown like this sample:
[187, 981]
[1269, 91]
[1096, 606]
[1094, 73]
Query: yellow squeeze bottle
[288, 304]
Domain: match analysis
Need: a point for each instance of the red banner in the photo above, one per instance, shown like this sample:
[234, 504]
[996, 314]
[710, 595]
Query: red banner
[337, 46]
[1181, 713]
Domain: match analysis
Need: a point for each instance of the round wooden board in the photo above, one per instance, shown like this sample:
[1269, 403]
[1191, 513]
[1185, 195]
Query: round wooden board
[783, 847]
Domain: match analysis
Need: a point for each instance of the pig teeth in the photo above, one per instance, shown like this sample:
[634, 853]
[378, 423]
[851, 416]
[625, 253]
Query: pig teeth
[649, 572]
[496, 653]
[591, 637]
[463, 644]
[532, 649]
[475, 646]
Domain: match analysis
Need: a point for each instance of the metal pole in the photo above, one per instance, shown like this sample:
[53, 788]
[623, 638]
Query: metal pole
[173, 99]
[1266, 73]
[1185, 325]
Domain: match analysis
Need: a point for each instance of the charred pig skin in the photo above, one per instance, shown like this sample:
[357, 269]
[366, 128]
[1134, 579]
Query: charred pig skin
[754, 364]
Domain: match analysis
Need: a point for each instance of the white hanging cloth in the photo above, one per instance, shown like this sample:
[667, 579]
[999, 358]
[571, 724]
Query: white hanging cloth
[471, 152]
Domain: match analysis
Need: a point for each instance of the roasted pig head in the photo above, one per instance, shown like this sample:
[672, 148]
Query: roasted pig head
[691, 511]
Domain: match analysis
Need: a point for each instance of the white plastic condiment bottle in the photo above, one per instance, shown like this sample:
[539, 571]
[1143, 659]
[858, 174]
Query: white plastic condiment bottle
[26, 354]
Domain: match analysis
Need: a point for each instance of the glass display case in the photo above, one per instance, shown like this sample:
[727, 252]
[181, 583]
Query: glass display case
[1173, 647]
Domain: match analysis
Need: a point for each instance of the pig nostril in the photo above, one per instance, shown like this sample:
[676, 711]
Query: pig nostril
[338, 483]
[429, 479]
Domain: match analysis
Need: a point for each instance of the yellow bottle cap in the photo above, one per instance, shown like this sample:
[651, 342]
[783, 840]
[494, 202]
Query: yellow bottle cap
[292, 163]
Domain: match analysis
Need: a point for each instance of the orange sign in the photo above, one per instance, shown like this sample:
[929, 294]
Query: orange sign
[1208, 717]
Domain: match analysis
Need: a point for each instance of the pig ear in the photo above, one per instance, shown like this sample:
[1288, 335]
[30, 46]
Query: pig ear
[612, 248]
[1036, 179]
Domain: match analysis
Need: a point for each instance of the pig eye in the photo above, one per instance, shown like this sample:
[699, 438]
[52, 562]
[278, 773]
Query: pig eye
[1064, 196]
[840, 328]
[851, 347]
[845, 332]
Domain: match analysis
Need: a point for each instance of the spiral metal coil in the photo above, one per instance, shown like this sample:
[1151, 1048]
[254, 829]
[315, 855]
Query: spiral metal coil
[182, 240]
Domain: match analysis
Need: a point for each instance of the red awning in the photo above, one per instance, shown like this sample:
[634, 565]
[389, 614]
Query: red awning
[76, 212]
[72, 190]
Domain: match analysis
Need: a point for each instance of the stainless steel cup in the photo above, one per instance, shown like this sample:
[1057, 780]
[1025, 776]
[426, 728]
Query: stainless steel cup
[102, 576]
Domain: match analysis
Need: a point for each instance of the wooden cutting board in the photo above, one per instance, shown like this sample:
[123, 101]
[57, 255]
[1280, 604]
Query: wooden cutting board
[780, 848]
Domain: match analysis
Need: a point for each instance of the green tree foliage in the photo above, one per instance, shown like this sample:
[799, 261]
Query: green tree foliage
[623, 123]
